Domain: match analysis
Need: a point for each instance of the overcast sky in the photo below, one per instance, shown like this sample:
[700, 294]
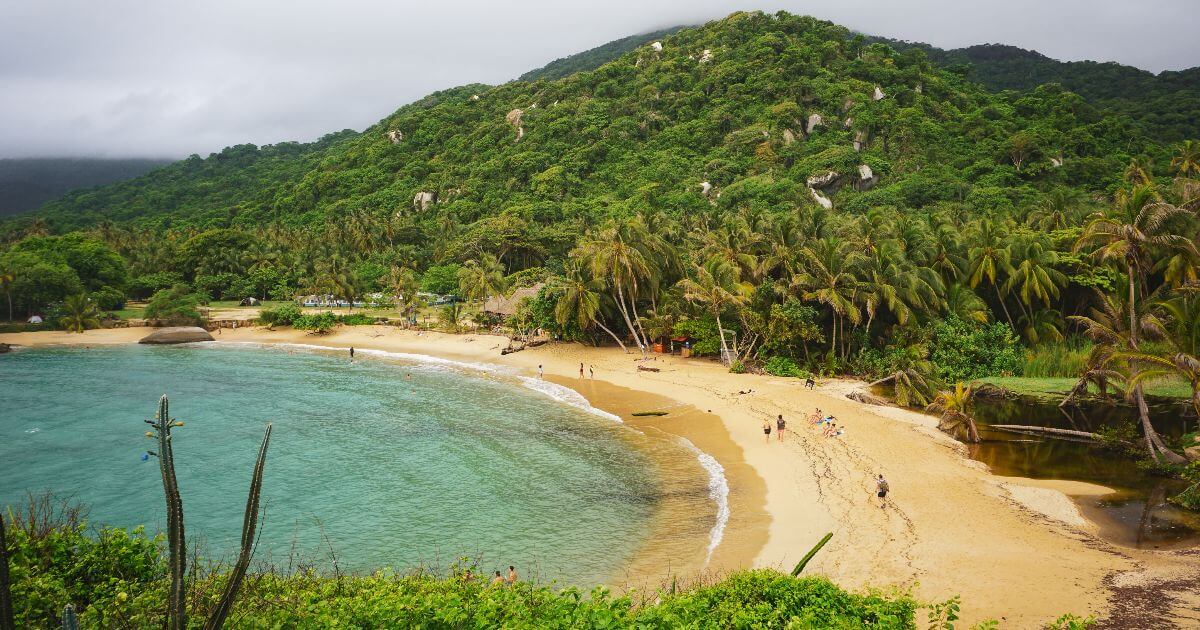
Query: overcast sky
[150, 78]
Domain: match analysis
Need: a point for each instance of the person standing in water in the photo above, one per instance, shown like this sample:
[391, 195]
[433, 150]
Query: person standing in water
[779, 426]
[498, 579]
[351, 353]
[540, 372]
[512, 574]
[881, 490]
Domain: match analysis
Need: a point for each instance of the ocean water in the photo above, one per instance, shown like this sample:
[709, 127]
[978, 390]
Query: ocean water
[380, 462]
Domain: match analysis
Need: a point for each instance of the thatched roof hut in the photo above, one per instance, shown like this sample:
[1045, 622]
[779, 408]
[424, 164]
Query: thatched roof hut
[505, 306]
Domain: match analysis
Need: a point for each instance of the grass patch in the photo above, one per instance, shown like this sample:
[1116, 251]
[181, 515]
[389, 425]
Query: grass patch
[1057, 387]
[1067, 359]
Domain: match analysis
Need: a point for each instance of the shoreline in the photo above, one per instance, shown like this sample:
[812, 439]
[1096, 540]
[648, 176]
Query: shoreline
[1014, 549]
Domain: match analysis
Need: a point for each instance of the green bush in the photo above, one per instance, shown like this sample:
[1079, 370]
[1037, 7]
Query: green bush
[783, 366]
[738, 367]
[282, 315]
[108, 299]
[965, 351]
[319, 323]
[142, 287]
[357, 319]
[440, 279]
[176, 306]
[1189, 498]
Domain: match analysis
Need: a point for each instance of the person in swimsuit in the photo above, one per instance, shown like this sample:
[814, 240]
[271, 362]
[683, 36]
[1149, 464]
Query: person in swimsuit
[351, 353]
[539, 371]
[580, 370]
[592, 371]
[512, 574]
[767, 430]
[780, 425]
[881, 490]
[498, 579]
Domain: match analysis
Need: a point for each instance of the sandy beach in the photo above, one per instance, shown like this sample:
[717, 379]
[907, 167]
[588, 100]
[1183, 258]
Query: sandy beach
[1016, 550]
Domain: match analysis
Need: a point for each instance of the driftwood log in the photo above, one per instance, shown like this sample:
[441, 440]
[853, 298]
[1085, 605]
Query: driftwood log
[1021, 428]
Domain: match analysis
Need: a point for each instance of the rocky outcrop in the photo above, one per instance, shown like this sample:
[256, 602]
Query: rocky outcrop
[847, 104]
[1056, 161]
[395, 136]
[919, 89]
[860, 140]
[706, 56]
[821, 199]
[474, 97]
[178, 334]
[656, 46]
[5, 348]
[788, 136]
[814, 121]
[705, 188]
[514, 119]
[866, 178]
[422, 200]
[877, 95]
[823, 180]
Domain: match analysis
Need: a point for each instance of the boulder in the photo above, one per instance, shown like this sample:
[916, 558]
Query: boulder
[788, 136]
[706, 56]
[5, 347]
[821, 199]
[514, 117]
[1056, 161]
[860, 139]
[656, 46]
[823, 180]
[877, 95]
[1192, 453]
[178, 334]
[866, 178]
[422, 200]
[847, 104]
[395, 136]
[814, 121]
[705, 188]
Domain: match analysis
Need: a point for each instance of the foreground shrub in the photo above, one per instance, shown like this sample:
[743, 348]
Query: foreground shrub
[357, 319]
[965, 351]
[783, 366]
[282, 315]
[319, 323]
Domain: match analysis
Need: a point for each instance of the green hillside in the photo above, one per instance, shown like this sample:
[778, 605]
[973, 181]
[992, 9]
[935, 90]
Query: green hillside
[26, 183]
[594, 57]
[1166, 104]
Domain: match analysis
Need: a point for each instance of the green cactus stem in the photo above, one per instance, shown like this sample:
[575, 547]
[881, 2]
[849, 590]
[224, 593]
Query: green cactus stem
[69, 620]
[176, 542]
[811, 552]
[249, 528]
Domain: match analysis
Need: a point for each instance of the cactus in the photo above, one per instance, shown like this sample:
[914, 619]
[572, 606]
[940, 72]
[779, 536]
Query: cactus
[69, 620]
[6, 607]
[176, 543]
[811, 552]
[249, 525]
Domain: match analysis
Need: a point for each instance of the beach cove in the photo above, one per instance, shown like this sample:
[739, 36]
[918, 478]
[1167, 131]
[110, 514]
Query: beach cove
[1041, 557]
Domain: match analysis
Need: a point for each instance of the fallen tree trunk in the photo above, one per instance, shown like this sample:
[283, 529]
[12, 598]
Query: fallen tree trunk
[1048, 430]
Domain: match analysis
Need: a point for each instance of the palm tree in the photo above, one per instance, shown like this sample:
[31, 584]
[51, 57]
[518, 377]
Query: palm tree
[1035, 277]
[1136, 224]
[481, 278]
[613, 255]
[717, 285]
[81, 314]
[8, 277]
[580, 303]
[964, 304]
[954, 409]
[912, 378]
[1057, 211]
[405, 287]
[988, 259]
[451, 316]
[830, 279]
[1186, 162]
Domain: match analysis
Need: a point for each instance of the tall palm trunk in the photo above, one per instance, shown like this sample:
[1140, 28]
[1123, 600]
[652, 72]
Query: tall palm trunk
[721, 334]
[1132, 312]
[628, 322]
[1154, 443]
[1003, 306]
[613, 335]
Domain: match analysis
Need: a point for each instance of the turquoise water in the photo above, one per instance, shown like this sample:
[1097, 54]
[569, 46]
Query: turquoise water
[384, 463]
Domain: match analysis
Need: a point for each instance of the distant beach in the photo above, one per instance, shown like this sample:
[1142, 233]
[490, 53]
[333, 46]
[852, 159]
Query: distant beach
[1011, 547]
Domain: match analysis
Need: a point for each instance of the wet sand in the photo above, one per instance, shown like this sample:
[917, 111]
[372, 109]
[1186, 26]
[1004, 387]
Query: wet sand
[1014, 550]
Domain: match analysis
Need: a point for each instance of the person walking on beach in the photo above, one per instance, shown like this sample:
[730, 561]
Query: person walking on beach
[881, 490]
[767, 430]
[512, 574]
[540, 370]
[780, 425]
[581, 370]
[592, 371]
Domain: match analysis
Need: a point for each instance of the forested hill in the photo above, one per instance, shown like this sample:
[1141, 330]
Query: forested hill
[27, 183]
[1167, 104]
[594, 57]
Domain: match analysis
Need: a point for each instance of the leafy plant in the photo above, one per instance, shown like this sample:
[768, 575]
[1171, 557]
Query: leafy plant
[176, 306]
[282, 315]
[783, 366]
[79, 314]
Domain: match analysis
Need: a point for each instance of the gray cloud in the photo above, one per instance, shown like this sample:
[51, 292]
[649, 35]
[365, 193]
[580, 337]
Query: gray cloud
[134, 78]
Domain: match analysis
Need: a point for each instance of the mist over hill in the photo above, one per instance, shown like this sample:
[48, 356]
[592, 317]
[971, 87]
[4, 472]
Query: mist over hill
[26, 183]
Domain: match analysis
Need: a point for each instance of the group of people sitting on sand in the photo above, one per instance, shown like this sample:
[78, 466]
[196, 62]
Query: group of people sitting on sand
[826, 424]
